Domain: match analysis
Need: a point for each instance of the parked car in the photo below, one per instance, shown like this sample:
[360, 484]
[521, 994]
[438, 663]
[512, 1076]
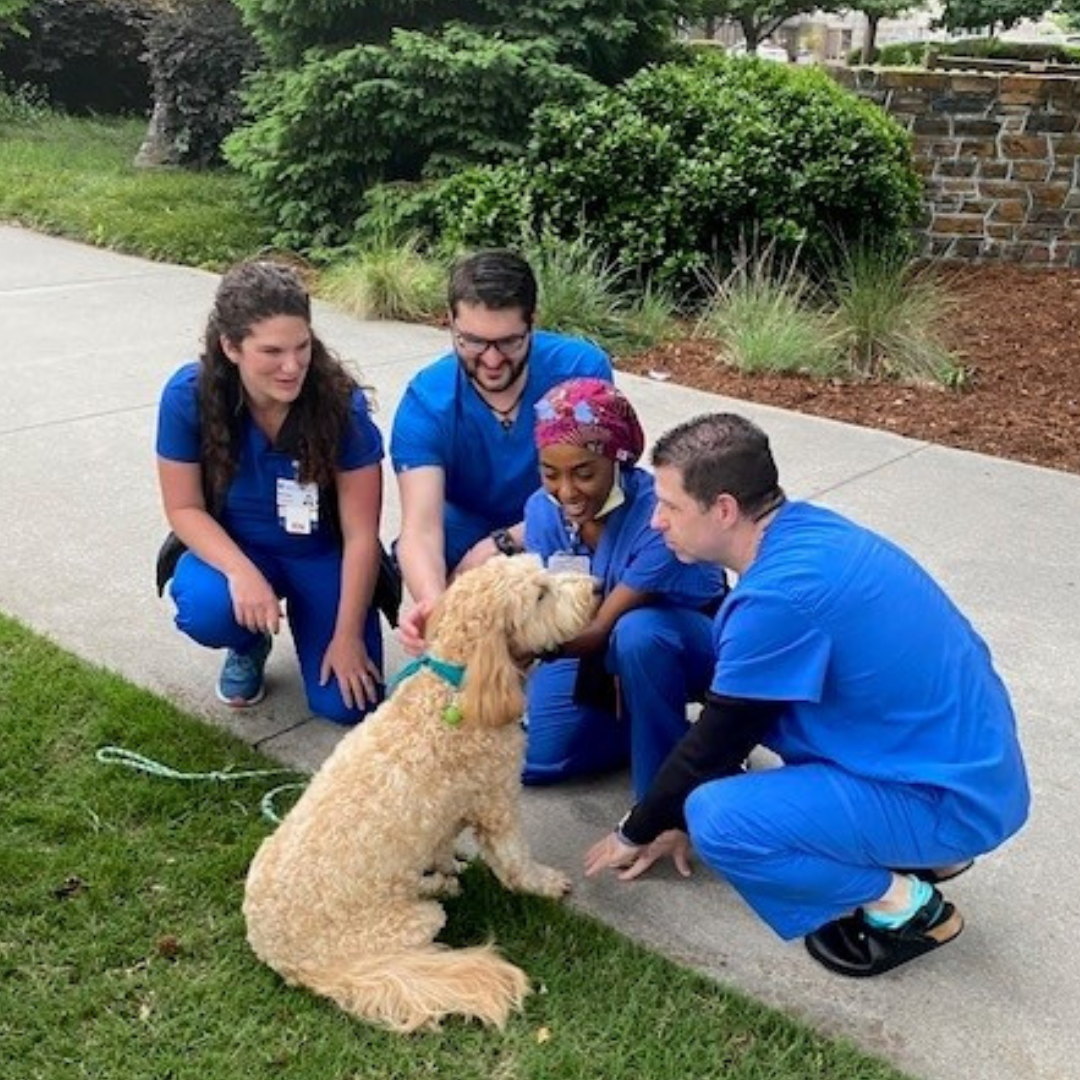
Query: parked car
[767, 50]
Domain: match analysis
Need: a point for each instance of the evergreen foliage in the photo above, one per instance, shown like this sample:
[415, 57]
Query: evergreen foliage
[424, 105]
[11, 12]
[609, 39]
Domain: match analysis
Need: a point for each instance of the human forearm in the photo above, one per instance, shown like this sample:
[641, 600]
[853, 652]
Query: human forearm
[423, 566]
[715, 747]
[595, 636]
[359, 570]
[207, 538]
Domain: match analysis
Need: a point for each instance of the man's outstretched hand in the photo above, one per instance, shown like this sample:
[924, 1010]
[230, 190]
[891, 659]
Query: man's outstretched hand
[634, 859]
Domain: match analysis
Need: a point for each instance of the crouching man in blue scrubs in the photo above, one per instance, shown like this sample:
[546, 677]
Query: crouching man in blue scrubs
[838, 651]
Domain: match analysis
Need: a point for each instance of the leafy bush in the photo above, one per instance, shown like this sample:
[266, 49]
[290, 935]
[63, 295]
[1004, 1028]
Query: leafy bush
[425, 105]
[198, 52]
[22, 104]
[11, 12]
[85, 54]
[664, 174]
[897, 54]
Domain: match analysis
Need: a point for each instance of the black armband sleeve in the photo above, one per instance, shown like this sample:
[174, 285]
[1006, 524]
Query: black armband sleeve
[715, 747]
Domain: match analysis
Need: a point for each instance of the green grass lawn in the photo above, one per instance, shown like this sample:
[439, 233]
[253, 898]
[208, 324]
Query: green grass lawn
[75, 177]
[122, 949]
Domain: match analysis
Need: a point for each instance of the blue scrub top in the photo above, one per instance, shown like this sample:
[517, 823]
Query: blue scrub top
[250, 514]
[442, 421]
[630, 551]
[881, 672]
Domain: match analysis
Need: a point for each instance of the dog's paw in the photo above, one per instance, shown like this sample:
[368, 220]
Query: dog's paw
[434, 883]
[547, 881]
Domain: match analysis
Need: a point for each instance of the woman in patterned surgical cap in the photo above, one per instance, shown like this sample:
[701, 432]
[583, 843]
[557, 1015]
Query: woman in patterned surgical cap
[620, 689]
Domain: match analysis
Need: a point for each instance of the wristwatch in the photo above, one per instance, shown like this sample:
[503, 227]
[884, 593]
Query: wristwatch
[505, 542]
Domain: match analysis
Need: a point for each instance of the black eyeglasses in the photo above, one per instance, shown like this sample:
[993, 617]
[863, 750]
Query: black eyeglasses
[510, 346]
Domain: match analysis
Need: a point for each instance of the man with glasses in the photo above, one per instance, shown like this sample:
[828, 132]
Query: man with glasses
[462, 441]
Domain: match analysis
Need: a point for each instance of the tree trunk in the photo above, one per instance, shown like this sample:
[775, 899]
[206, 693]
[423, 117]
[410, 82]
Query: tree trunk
[870, 41]
[752, 34]
[157, 148]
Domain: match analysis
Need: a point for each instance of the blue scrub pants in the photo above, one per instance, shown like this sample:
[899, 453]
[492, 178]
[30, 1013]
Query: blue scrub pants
[805, 844]
[310, 587]
[663, 659]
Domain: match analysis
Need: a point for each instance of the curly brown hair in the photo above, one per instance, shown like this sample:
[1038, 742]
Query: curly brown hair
[317, 421]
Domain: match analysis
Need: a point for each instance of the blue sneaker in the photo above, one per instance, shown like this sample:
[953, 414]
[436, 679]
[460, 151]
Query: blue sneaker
[241, 683]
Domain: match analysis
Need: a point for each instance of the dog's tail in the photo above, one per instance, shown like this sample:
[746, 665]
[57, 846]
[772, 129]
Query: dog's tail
[416, 988]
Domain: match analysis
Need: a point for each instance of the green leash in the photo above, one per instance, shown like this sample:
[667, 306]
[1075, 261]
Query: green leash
[117, 755]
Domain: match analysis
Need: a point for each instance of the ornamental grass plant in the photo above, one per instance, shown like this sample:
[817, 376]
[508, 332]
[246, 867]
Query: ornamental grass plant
[388, 279]
[763, 317]
[889, 314]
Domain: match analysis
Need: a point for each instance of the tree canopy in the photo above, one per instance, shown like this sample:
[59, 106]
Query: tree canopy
[756, 18]
[992, 15]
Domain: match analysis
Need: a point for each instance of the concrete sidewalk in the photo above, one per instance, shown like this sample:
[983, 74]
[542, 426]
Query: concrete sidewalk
[89, 338]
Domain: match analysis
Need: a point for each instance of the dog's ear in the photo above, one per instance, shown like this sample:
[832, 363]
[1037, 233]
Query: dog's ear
[492, 692]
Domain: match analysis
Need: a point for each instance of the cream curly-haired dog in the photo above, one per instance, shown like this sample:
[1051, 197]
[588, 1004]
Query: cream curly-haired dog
[341, 897]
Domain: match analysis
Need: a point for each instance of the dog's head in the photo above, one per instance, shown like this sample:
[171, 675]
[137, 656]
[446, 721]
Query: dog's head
[495, 618]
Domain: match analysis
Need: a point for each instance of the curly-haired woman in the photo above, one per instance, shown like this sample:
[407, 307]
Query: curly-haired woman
[271, 474]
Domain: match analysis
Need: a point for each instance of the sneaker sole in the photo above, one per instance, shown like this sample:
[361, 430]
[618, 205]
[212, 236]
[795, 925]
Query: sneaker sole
[239, 702]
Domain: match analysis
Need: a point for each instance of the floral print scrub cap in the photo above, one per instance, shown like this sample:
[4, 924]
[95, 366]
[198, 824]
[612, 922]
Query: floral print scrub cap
[593, 414]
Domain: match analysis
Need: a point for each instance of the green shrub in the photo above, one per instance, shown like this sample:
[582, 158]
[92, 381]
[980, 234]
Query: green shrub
[87, 55]
[22, 104]
[920, 53]
[897, 54]
[11, 12]
[425, 105]
[198, 51]
[664, 174]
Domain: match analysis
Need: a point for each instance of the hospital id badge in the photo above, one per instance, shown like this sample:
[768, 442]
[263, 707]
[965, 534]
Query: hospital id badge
[297, 506]
[562, 562]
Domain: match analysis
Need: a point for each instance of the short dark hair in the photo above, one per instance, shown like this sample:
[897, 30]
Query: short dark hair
[722, 453]
[497, 278]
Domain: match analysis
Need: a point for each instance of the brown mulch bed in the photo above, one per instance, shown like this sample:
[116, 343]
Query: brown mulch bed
[1017, 330]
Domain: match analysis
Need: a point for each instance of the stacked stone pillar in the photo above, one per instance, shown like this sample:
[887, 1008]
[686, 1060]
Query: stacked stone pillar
[999, 154]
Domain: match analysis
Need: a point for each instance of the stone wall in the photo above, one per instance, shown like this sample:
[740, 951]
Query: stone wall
[999, 155]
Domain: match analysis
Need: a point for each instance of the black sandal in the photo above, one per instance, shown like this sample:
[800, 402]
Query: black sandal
[851, 946]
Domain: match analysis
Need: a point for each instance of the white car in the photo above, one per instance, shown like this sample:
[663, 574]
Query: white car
[767, 50]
